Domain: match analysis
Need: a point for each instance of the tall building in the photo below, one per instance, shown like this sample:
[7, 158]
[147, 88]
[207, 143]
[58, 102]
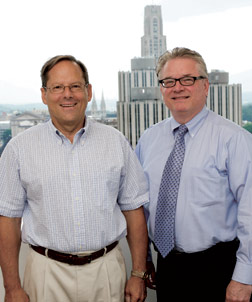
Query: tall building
[140, 103]
[223, 98]
[153, 42]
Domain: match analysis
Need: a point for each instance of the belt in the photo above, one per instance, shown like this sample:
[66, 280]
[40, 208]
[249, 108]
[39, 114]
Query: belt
[219, 247]
[73, 259]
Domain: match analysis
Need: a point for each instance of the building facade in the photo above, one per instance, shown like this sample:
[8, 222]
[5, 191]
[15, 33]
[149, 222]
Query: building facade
[223, 98]
[23, 121]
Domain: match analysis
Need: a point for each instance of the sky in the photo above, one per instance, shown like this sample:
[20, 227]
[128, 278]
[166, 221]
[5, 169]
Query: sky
[106, 35]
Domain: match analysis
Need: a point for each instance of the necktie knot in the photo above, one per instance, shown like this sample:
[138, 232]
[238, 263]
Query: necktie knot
[182, 129]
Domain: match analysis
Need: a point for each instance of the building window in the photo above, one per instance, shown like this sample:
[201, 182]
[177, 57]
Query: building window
[227, 103]
[144, 80]
[154, 114]
[212, 98]
[220, 100]
[130, 125]
[233, 103]
[136, 83]
[155, 26]
[151, 79]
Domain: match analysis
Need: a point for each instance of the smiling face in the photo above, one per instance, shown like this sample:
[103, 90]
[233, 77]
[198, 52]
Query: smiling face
[184, 101]
[67, 109]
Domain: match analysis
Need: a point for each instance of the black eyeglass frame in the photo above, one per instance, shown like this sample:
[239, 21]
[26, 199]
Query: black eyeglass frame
[179, 80]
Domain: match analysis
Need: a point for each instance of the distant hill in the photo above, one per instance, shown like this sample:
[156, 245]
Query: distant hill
[247, 97]
[244, 78]
[110, 105]
[247, 112]
[24, 107]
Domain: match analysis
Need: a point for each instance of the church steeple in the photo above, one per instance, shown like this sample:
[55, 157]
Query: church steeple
[94, 106]
[103, 106]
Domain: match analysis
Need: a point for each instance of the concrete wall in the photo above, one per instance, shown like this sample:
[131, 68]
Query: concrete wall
[24, 249]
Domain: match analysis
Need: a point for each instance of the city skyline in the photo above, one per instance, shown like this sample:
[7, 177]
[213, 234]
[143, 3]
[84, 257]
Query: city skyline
[105, 36]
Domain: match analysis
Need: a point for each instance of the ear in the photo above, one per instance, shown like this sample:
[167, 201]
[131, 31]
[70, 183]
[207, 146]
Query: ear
[89, 89]
[162, 89]
[206, 86]
[43, 95]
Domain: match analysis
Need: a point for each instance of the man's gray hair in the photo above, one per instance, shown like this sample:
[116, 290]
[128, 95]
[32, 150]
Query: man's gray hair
[182, 52]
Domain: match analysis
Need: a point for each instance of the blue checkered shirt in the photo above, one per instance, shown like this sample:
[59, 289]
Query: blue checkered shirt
[71, 196]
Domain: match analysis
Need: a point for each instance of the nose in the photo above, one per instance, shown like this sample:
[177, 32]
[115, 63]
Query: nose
[178, 86]
[67, 92]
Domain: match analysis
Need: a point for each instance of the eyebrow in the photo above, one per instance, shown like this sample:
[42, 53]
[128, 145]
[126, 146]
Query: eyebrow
[185, 75]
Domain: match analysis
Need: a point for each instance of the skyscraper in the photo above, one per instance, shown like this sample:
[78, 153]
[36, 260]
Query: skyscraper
[223, 98]
[153, 42]
[140, 102]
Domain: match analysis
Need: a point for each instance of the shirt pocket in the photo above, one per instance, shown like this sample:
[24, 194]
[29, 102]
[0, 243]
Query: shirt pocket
[208, 186]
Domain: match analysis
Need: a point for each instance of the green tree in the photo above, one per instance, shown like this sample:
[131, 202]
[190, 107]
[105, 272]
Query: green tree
[248, 127]
[247, 112]
[5, 137]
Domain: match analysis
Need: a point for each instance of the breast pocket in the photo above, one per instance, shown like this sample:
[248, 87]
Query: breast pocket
[208, 186]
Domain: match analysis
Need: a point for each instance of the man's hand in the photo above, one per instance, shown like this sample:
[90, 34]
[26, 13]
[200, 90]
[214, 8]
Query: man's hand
[17, 295]
[151, 281]
[135, 290]
[238, 292]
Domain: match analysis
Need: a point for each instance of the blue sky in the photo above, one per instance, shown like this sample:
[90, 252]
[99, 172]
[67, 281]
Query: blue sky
[106, 35]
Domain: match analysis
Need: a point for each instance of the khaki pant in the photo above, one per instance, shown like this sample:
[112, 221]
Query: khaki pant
[102, 280]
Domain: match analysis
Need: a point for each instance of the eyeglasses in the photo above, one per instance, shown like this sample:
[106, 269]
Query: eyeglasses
[76, 87]
[184, 81]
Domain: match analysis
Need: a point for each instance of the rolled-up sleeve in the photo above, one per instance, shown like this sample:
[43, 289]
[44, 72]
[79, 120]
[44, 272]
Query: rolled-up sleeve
[12, 193]
[133, 191]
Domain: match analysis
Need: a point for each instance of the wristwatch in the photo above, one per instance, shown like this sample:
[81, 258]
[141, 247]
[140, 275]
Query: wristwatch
[142, 275]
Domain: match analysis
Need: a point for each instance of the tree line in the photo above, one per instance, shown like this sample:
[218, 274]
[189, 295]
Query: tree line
[247, 116]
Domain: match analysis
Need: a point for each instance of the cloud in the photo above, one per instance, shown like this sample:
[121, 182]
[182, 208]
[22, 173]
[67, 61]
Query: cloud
[106, 35]
[221, 38]
[175, 10]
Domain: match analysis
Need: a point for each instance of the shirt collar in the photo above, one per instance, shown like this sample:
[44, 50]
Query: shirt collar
[194, 124]
[60, 136]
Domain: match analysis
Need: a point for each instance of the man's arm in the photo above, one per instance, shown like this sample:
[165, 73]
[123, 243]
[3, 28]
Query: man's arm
[10, 241]
[138, 242]
[240, 179]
